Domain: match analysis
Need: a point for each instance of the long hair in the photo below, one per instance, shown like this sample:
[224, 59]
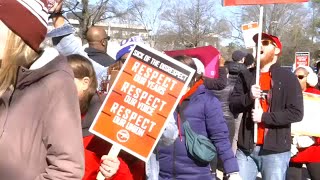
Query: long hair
[190, 62]
[81, 68]
[16, 53]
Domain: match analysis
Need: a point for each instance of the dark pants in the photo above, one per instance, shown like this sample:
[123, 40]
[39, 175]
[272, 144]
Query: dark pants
[294, 171]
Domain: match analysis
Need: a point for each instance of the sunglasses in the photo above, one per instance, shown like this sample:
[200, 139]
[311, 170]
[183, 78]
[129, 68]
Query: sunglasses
[300, 76]
[267, 42]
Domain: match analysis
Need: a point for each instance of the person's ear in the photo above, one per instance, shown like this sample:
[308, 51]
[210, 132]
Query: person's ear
[104, 42]
[277, 51]
[85, 83]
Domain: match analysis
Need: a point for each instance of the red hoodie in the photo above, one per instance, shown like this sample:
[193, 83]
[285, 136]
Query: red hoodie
[95, 147]
[92, 164]
[312, 153]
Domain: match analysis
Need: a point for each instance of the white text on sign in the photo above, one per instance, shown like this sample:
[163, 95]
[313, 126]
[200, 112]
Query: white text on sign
[131, 120]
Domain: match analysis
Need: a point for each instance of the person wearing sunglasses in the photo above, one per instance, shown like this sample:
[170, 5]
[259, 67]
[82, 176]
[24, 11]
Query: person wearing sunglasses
[280, 104]
[98, 43]
[307, 148]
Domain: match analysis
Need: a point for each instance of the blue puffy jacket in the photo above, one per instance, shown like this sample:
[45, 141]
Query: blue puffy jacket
[205, 116]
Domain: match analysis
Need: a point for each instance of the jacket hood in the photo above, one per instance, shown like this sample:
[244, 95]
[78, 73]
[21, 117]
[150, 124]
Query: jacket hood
[235, 68]
[49, 62]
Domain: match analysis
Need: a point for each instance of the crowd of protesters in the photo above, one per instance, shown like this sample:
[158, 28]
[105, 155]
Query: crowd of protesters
[49, 97]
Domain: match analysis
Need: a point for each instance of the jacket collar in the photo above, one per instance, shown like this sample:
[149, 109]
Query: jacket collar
[90, 50]
[274, 67]
[49, 62]
[196, 89]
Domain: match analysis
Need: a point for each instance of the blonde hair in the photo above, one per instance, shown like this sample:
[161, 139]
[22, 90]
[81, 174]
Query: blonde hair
[16, 53]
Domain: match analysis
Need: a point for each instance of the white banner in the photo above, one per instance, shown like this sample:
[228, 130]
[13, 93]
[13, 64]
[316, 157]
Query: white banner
[310, 124]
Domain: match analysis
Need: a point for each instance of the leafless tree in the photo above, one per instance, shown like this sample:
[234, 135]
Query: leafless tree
[290, 22]
[90, 14]
[192, 22]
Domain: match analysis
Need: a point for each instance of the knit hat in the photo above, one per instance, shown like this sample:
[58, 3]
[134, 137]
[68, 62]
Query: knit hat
[26, 18]
[127, 45]
[238, 55]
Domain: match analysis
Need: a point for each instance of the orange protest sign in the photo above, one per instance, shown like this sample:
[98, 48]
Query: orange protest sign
[144, 94]
[252, 2]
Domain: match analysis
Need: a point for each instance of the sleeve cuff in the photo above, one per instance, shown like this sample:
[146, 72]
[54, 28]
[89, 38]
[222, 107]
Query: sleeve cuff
[61, 31]
[230, 166]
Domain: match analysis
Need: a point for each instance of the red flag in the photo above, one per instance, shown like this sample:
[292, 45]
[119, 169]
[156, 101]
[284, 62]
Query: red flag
[252, 2]
[208, 55]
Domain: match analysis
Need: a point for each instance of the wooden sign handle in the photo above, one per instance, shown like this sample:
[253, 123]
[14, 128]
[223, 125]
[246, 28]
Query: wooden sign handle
[114, 152]
[255, 128]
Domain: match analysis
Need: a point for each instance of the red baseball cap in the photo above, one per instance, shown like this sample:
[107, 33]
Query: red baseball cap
[275, 39]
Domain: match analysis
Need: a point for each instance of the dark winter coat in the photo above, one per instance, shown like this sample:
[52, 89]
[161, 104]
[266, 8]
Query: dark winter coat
[286, 107]
[224, 94]
[205, 117]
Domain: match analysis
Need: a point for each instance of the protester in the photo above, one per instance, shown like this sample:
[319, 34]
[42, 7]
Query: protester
[238, 56]
[40, 130]
[66, 43]
[249, 61]
[233, 120]
[204, 115]
[309, 147]
[125, 48]
[98, 42]
[281, 103]
[90, 102]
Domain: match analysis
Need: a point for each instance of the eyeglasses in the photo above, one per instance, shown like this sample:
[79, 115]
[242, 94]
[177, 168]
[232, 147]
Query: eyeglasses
[300, 76]
[266, 42]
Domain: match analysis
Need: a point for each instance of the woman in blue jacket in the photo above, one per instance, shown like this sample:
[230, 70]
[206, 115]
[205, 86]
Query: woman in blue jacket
[204, 114]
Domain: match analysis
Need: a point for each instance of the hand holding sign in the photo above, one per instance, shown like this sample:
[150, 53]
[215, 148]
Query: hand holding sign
[109, 166]
[110, 163]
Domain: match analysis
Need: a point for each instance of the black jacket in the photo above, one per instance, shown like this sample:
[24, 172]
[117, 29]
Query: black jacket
[99, 57]
[224, 94]
[286, 107]
[87, 119]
